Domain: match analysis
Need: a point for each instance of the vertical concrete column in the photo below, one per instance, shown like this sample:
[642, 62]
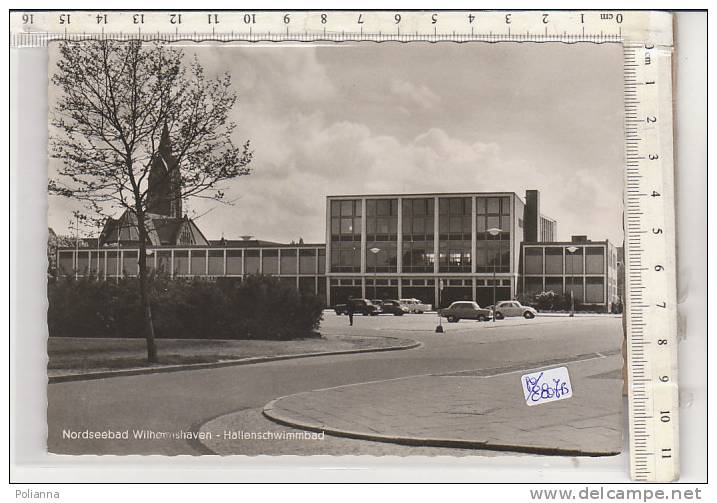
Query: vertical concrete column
[189, 259]
[171, 265]
[363, 238]
[224, 262]
[474, 238]
[363, 287]
[399, 240]
[584, 272]
[206, 262]
[278, 258]
[261, 260]
[473, 281]
[328, 290]
[606, 279]
[436, 240]
[104, 268]
[328, 242]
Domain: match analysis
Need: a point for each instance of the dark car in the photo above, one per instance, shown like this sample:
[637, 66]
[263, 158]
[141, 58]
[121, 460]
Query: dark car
[361, 306]
[393, 307]
[464, 310]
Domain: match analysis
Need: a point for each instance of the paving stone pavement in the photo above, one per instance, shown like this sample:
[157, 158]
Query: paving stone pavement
[471, 411]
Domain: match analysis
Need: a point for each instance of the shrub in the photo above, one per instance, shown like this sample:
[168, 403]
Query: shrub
[259, 307]
[550, 301]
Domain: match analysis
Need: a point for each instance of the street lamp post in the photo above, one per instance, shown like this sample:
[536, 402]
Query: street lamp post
[572, 250]
[375, 252]
[494, 232]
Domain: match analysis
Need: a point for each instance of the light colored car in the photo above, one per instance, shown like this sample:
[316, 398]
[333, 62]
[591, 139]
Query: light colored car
[509, 308]
[415, 306]
[464, 310]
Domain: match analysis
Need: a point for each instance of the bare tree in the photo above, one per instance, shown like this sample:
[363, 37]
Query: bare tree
[117, 99]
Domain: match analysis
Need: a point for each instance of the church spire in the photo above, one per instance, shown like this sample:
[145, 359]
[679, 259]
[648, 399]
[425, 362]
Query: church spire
[165, 182]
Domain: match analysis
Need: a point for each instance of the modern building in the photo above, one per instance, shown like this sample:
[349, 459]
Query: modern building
[301, 265]
[435, 247]
[439, 248]
[588, 269]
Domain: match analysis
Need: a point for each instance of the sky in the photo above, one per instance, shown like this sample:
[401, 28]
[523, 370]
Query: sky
[415, 118]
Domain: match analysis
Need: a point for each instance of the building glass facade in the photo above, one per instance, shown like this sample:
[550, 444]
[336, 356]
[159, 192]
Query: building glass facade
[455, 234]
[493, 234]
[418, 254]
[444, 250]
[589, 271]
[381, 235]
[437, 248]
[345, 226]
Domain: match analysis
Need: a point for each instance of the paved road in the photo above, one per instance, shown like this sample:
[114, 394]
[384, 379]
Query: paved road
[182, 401]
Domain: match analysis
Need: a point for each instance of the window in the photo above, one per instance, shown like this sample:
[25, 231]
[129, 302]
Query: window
[234, 262]
[216, 263]
[181, 262]
[251, 261]
[288, 261]
[594, 290]
[574, 261]
[199, 262]
[164, 263]
[533, 285]
[554, 284]
[130, 265]
[346, 235]
[454, 220]
[83, 262]
[574, 284]
[493, 248]
[322, 261]
[418, 227]
[307, 285]
[66, 263]
[307, 261]
[594, 260]
[533, 260]
[270, 262]
[554, 260]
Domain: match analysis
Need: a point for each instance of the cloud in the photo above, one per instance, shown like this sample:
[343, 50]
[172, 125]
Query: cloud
[285, 197]
[419, 95]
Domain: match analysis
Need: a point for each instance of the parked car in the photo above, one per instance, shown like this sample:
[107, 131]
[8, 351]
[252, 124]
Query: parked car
[513, 308]
[361, 306]
[393, 307]
[415, 306]
[464, 309]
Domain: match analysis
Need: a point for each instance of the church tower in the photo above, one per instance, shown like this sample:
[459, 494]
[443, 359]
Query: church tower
[164, 196]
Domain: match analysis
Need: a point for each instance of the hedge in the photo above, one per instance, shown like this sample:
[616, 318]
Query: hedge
[257, 307]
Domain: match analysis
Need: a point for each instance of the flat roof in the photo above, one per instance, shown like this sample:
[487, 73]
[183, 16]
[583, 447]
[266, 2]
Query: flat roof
[564, 243]
[424, 194]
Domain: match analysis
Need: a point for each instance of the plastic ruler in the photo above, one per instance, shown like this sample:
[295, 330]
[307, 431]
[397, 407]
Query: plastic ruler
[649, 206]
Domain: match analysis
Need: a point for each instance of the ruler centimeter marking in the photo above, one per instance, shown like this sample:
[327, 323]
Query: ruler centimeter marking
[649, 260]
[650, 263]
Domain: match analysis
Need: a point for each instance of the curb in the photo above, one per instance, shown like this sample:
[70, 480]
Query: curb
[269, 412]
[228, 363]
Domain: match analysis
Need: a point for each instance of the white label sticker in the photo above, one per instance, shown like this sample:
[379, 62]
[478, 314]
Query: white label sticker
[547, 386]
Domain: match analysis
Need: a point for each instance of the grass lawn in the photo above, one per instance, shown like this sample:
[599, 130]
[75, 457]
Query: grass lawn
[70, 355]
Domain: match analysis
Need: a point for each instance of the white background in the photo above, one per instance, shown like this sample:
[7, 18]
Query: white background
[27, 202]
